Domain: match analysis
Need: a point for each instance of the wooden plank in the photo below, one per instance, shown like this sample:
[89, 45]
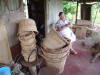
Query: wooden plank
[5, 54]
[84, 22]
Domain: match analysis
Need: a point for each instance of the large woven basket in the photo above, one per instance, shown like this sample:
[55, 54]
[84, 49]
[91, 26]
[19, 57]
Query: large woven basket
[27, 25]
[53, 40]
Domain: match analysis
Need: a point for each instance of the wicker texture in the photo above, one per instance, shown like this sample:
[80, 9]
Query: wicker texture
[27, 25]
[53, 40]
[26, 34]
[55, 50]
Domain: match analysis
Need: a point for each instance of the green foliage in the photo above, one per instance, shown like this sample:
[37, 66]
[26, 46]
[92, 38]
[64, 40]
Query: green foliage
[69, 7]
[94, 10]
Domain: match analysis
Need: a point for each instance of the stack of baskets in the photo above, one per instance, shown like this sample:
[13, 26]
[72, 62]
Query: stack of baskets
[26, 33]
[55, 49]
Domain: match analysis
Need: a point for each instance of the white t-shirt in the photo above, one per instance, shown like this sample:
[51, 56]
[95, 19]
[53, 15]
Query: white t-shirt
[66, 32]
[62, 23]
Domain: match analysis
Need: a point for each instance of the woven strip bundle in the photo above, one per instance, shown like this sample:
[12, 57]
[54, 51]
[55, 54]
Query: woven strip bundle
[26, 33]
[55, 50]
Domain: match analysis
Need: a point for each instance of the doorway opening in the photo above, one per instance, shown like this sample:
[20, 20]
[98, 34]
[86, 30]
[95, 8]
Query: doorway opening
[36, 10]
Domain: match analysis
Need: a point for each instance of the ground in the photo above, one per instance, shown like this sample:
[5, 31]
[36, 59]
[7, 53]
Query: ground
[80, 64]
[76, 64]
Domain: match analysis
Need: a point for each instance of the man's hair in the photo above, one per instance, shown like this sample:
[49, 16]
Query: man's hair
[60, 13]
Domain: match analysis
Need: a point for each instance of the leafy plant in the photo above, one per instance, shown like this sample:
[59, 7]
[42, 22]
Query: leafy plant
[69, 7]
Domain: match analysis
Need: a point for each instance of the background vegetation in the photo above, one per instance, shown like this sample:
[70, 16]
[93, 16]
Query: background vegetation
[69, 9]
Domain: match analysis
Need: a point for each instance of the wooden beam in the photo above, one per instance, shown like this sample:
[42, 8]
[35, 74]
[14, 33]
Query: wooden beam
[76, 12]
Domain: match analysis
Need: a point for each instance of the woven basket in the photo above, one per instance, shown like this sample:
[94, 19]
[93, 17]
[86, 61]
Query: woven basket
[28, 47]
[55, 56]
[27, 25]
[26, 35]
[60, 50]
[56, 53]
[26, 56]
[53, 40]
[28, 42]
[58, 65]
[52, 59]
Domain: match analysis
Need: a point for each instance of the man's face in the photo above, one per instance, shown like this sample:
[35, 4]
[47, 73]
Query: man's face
[62, 16]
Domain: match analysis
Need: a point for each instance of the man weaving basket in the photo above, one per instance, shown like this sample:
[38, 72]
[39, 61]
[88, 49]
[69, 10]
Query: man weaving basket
[63, 28]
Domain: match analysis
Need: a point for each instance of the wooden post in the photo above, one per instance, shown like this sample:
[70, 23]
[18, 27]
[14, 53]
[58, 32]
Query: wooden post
[76, 12]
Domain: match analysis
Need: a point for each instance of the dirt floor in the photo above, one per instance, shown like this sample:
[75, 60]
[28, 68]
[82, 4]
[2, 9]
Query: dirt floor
[76, 64]
[80, 64]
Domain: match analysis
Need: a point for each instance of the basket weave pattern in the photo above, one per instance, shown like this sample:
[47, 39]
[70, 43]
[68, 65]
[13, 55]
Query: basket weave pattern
[26, 33]
[55, 50]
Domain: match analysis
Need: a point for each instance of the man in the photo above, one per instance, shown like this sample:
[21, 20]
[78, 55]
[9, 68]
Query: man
[63, 28]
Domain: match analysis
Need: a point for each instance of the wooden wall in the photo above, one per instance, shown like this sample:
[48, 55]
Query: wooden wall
[53, 7]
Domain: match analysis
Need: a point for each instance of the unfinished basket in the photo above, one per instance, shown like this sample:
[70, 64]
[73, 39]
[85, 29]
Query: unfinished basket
[53, 40]
[27, 25]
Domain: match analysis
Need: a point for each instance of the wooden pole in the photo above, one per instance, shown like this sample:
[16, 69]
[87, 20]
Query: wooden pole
[76, 12]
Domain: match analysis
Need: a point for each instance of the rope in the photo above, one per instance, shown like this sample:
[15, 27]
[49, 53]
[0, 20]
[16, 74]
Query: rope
[30, 55]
